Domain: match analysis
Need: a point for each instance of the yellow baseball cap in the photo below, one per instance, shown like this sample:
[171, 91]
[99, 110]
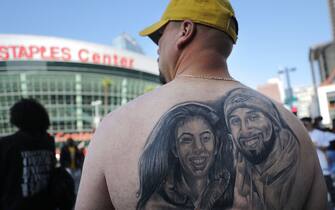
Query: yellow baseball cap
[218, 14]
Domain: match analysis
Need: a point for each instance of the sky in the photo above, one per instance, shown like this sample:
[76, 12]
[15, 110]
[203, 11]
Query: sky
[273, 34]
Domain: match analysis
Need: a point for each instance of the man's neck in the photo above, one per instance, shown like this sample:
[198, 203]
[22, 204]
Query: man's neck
[204, 63]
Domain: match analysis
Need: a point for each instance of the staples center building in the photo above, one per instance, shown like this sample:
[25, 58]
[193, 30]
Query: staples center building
[78, 82]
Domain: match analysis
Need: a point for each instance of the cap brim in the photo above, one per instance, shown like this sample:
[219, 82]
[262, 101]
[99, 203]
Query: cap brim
[151, 31]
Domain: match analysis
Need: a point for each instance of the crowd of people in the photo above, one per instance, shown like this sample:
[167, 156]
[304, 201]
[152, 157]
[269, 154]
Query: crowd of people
[31, 176]
[324, 140]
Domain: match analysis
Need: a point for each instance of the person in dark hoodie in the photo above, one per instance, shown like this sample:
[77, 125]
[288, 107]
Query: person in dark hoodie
[27, 159]
[71, 158]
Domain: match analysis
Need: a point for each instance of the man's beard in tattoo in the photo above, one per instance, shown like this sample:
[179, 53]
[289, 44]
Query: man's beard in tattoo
[162, 78]
[254, 158]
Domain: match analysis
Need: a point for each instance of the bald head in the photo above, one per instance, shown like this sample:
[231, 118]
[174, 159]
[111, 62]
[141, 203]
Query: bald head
[205, 37]
[210, 38]
[185, 46]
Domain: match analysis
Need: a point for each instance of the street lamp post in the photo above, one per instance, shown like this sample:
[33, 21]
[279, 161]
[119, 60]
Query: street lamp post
[287, 71]
[96, 118]
[315, 85]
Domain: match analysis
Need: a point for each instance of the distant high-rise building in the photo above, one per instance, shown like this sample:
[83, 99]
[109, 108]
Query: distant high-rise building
[272, 89]
[322, 56]
[322, 62]
[306, 103]
[332, 15]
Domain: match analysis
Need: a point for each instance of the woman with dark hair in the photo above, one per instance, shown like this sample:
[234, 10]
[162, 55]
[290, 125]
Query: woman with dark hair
[27, 159]
[186, 164]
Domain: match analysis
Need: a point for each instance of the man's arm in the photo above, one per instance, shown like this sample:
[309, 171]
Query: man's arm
[93, 192]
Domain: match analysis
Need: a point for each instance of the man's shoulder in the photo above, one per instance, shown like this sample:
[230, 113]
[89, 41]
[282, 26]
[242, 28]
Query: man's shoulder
[141, 108]
[132, 118]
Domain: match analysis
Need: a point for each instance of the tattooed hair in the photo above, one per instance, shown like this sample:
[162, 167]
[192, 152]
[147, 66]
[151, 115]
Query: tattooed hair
[158, 159]
[247, 98]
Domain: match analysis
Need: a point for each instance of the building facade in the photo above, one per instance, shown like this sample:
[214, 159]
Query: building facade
[327, 103]
[305, 101]
[273, 89]
[331, 4]
[77, 82]
[322, 62]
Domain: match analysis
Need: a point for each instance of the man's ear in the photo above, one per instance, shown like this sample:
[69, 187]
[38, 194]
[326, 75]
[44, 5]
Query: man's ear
[186, 33]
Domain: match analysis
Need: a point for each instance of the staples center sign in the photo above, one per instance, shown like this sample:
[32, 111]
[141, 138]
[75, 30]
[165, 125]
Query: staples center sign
[62, 53]
[22, 47]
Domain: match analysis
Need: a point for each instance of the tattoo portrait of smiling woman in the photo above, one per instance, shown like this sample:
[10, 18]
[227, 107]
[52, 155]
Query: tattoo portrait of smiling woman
[186, 163]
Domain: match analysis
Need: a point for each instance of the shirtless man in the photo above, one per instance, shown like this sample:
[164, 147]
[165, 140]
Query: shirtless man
[175, 148]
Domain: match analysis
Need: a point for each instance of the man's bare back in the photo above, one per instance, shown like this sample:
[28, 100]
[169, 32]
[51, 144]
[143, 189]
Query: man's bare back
[113, 163]
[202, 141]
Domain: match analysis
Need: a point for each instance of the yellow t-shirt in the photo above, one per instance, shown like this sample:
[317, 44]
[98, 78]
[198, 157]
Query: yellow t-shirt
[72, 151]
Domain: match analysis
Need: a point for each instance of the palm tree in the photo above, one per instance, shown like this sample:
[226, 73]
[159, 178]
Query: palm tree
[149, 88]
[106, 83]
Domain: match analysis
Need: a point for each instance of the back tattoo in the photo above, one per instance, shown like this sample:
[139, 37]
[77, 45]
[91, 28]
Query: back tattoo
[204, 155]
